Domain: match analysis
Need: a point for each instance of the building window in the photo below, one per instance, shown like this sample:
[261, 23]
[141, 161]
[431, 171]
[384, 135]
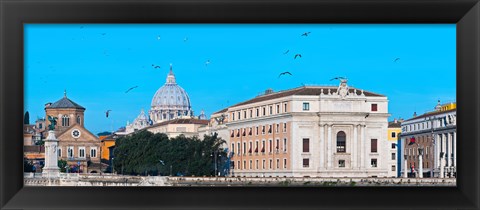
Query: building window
[277, 145]
[271, 110]
[270, 146]
[244, 148]
[81, 152]
[306, 106]
[257, 112]
[65, 121]
[306, 163]
[373, 146]
[263, 164]
[256, 146]
[238, 148]
[251, 112]
[278, 163]
[263, 146]
[341, 163]
[278, 109]
[70, 152]
[393, 145]
[93, 152]
[250, 149]
[271, 163]
[393, 156]
[40, 125]
[233, 116]
[277, 128]
[238, 165]
[285, 144]
[264, 113]
[285, 107]
[250, 165]
[256, 164]
[306, 145]
[373, 163]
[239, 115]
[244, 114]
[233, 147]
[393, 168]
[374, 107]
[393, 135]
[269, 128]
[263, 129]
[78, 119]
[59, 152]
[285, 163]
[284, 127]
[341, 142]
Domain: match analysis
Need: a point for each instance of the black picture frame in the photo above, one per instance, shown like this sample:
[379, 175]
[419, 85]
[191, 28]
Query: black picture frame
[15, 13]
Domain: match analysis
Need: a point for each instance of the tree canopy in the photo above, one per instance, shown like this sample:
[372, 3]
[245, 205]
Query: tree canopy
[146, 153]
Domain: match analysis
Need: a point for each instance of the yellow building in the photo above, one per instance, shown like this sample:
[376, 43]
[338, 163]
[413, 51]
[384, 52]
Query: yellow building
[393, 132]
[107, 141]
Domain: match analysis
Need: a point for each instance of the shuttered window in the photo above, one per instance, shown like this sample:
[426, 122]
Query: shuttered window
[306, 145]
[374, 145]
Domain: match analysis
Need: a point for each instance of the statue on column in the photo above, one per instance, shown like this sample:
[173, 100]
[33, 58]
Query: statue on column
[53, 123]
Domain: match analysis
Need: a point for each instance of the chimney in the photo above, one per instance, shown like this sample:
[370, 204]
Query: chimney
[268, 91]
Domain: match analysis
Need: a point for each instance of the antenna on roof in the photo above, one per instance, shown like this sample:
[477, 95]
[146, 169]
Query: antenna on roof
[65, 93]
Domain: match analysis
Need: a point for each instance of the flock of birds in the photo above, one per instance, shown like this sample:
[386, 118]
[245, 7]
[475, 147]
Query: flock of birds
[207, 62]
[298, 55]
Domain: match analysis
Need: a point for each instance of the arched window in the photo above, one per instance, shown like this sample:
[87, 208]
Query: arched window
[65, 120]
[78, 120]
[341, 141]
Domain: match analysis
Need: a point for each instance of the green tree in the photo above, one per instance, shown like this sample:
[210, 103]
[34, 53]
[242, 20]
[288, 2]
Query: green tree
[62, 165]
[146, 153]
[26, 118]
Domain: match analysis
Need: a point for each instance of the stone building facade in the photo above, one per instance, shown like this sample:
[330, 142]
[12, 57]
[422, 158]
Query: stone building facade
[429, 143]
[78, 146]
[315, 131]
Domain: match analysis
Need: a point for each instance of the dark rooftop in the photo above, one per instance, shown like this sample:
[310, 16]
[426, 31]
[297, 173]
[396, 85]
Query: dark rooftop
[65, 103]
[182, 121]
[303, 90]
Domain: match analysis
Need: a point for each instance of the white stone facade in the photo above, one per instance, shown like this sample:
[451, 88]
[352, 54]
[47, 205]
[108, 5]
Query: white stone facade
[315, 115]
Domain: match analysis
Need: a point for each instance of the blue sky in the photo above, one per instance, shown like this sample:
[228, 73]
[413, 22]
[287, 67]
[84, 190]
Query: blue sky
[97, 63]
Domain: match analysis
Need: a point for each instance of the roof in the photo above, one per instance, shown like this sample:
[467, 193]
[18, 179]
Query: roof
[221, 111]
[394, 124]
[303, 90]
[182, 121]
[65, 103]
[428, 114]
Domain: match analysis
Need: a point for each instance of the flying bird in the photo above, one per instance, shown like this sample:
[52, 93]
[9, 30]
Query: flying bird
[107, 112]
[161, 161]
[297, 55]
[185, 39]
[155, 66]
[368, 114]
[306, 33]
[396, 59]
[339, 78]
[158, 37]
[131, 89]
[285, 73]
[207, 62]
[286, 52]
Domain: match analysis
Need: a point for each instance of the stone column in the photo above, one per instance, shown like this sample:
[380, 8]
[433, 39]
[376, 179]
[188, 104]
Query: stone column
[51, 169]
[405, 165]
[448, 158]
[420, 162]
[354, 147]
[329, 146]
[436, 151]
[322, 146]
[362, 147]
[455, 148]
[441, 175]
